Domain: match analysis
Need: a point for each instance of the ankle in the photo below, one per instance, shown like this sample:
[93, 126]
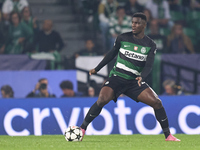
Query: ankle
[83, 127]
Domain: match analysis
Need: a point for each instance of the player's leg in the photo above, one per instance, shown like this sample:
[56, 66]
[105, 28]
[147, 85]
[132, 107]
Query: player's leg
[106, 95]
[149, 97]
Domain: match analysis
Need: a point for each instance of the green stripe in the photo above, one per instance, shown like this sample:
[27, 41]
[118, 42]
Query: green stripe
[126, 63]
[132, 45]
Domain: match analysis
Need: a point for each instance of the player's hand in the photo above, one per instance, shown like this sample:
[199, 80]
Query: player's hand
[93, 71]
[139, 79]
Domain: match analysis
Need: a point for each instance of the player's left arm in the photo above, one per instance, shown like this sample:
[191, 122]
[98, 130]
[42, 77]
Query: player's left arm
[148, 65]
[108, 57]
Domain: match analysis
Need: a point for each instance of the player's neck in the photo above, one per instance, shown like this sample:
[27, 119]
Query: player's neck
[139, 36]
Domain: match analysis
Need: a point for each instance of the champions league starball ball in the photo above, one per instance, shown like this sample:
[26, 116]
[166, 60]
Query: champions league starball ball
[73, 134]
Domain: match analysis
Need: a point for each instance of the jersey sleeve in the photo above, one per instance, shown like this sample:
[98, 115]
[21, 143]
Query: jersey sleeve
[149, 62]
[110, 55]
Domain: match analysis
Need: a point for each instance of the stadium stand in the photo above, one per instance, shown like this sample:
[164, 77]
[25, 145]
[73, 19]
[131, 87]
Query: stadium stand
[65, 22]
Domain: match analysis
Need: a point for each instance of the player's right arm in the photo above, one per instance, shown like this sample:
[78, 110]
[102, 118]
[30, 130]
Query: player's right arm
[108, 57]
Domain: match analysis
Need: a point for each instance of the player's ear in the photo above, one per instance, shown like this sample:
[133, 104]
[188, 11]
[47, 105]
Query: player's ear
[145, 24]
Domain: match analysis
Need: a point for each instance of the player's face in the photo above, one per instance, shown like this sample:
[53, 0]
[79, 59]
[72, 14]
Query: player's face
[138, 25]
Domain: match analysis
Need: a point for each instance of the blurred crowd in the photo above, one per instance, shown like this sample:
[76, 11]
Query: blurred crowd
[20, 32]
[174, 25]
[42, 90]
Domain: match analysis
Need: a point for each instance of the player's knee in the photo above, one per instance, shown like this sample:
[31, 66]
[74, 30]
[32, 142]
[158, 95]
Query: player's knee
[102, 100]
[157, 104]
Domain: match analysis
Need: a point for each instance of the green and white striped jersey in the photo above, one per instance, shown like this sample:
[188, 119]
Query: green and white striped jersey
[132, 55]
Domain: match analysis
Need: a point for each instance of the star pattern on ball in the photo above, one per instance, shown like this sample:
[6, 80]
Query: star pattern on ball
[79, 136]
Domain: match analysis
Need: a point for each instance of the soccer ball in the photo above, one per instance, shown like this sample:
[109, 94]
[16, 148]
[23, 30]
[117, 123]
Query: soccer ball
[73, 134]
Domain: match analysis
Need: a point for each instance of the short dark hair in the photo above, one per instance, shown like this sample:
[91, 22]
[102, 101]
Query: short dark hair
[8, 90]
[66, 85]
[140, 15]
[42, 79]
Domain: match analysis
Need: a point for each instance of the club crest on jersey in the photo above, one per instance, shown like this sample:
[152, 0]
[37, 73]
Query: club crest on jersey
[143, 50]
[135, 48]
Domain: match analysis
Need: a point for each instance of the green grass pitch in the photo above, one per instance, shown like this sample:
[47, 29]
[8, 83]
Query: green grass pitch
[107, 142]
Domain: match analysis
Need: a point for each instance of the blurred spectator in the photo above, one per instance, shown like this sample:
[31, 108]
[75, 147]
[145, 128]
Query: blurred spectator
[48, 40]
[91, 92]
[89, 50]
[178, 42]
[31, 23]
[1, 3]
[142, 2]
[90, 8]
[185, 5]
[160, 11]
[107, 8]
[29, 20]
[119, 23]
[195, 4]
[132, 6]
[18, 35]
[93, 84]
[171, 88]
[147, 12]
[2, 43]
[13, 5]
[67, 89]
[41, 89]
[2, 37]
[7, 91]
[174, 5]
[159, 39]
[5, 25]
[4, 29]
